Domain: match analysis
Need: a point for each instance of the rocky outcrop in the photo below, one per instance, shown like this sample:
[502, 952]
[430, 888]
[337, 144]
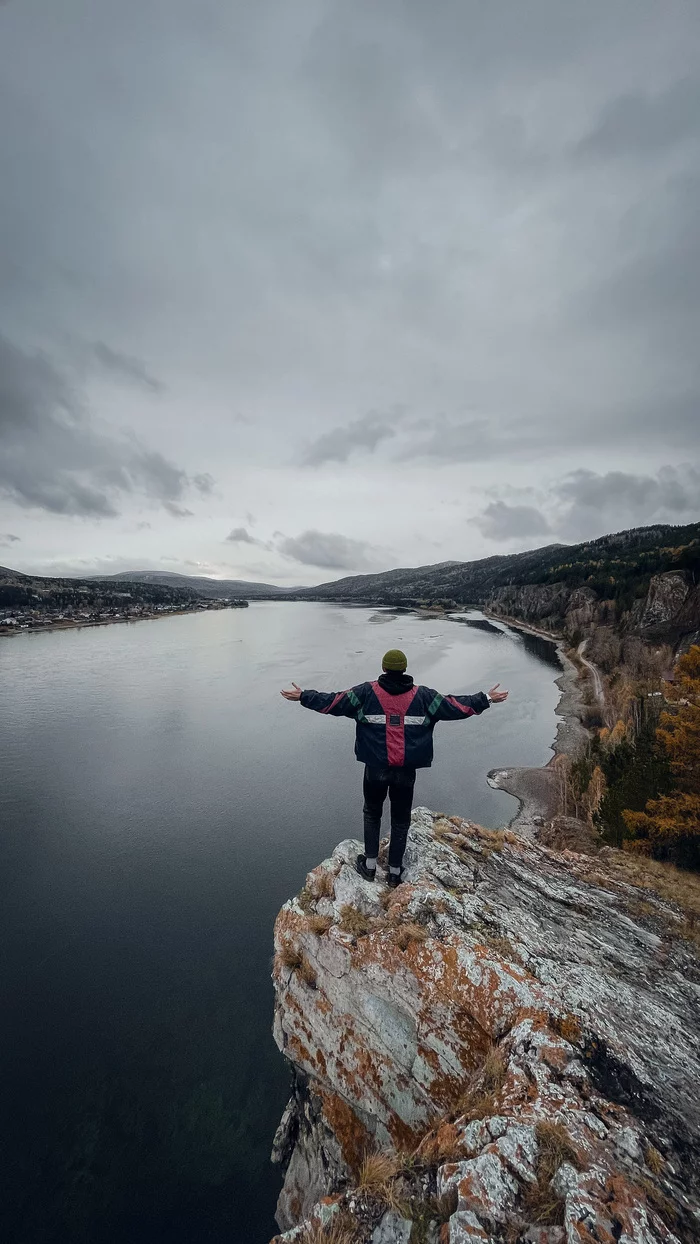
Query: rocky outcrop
[552, 605]
[513, 1029]
[669, 611]
[671, 608]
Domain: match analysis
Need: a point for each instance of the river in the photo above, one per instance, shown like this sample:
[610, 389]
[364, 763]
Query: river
[159, 801]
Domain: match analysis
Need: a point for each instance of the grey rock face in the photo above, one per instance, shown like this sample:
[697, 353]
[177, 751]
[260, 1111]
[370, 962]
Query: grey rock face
[393, 1229]
[515, 1018]
[309, 1153]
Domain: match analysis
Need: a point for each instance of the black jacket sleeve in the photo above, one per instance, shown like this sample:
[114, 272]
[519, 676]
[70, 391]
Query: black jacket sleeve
[334, 703]
[456, 707]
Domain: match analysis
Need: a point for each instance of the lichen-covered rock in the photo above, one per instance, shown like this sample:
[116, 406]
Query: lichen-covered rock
[513, 1018]
[392, 1229]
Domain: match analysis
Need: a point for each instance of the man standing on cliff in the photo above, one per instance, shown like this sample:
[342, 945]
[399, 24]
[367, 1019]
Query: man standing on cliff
[393, 737]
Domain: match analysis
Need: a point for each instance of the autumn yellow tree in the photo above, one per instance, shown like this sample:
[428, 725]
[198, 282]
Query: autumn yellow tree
[669, 827]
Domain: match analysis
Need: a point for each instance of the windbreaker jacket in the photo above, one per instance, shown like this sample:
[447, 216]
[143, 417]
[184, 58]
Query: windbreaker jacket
[394, 729]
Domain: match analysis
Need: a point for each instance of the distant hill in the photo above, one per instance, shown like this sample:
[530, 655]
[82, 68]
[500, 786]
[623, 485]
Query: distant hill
[46, 593]
[203, 586]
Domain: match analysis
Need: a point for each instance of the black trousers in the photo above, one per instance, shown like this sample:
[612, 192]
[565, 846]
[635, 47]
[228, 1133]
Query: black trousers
[398, 783]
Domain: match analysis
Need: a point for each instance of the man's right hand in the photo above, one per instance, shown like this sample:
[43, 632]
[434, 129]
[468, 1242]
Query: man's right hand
[292, 695]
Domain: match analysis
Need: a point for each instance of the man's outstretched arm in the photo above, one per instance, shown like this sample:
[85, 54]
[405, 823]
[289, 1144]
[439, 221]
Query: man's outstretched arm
[457, 707]
[334, 703]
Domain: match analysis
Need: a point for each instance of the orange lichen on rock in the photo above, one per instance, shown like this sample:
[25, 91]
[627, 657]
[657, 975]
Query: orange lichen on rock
[352, 1136]
[568, 1026]
[555, 1056]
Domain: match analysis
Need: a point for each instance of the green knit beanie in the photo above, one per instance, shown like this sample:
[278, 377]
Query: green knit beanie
[394, 660]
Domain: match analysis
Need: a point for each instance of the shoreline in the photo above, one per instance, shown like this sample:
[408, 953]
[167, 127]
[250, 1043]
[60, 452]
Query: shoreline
[536, 788]
[15, 632]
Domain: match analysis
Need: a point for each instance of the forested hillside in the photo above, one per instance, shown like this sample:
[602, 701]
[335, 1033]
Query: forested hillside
[618, 566]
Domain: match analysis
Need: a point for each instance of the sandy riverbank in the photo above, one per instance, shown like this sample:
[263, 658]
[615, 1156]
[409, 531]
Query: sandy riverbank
[537, 789]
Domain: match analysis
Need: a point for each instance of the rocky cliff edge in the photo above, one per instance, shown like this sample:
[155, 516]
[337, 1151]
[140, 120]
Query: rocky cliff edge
[503, 1049]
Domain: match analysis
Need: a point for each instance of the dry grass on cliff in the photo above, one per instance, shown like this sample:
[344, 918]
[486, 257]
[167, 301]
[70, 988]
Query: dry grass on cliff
[340, 1230]
[320, 924]
[409, 932]
[441, 1143]
[381, 1177]
[376, 1169]
[354, 921]
[554, 1146]
[306, 899]
[290, 956]
[659, 1201]
[654, 1160]
[324, 885]
[479, 1100]
[318, 885]
[493, 1071]
[481, 1095]
[463, 836]
[675, 885]
[445, 830]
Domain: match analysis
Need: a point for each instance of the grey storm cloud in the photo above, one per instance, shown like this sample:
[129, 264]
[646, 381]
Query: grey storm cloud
[125, 367]
[639, 124]
[325, 549]
[474, 440]
[586, 504]
[621, 499]
[240, 535]
[500, 521]
[338, 444]
[177, 511]
[7, 538]
[204, 483]
[54, 458]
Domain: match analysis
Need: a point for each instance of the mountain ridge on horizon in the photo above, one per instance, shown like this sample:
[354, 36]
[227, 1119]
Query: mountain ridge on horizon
[451, 578]
[636, 552]
[203, 583]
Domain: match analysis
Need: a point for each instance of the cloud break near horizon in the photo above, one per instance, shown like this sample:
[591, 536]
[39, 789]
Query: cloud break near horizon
[293, 291]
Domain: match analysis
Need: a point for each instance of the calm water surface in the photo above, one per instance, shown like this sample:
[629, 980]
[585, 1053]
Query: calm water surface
[158, 802]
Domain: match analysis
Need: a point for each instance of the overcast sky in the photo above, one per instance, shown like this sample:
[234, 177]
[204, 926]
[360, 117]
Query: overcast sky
[293, 288]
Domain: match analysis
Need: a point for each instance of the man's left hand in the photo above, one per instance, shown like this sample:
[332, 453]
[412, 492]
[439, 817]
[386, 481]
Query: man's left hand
[496, 696]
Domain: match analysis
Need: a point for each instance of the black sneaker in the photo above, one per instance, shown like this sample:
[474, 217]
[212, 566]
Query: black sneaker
[361, 867]
[394, 879]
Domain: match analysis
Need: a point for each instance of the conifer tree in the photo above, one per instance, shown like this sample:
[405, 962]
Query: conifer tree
[669, 827]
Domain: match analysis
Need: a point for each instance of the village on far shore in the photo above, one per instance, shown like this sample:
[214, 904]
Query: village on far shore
[29, 603]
